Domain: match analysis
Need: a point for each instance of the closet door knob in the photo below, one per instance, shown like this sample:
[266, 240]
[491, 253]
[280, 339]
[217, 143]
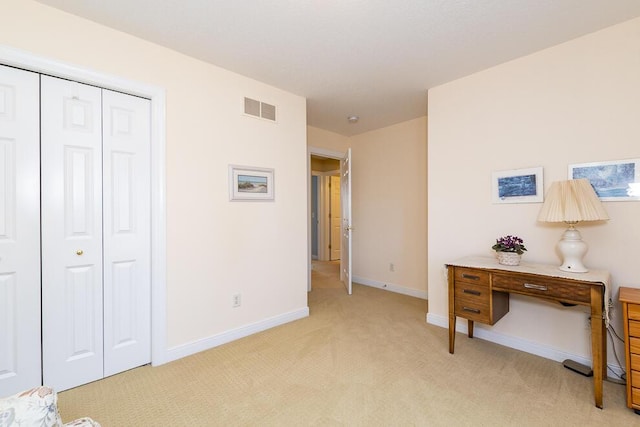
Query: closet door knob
[79, 252]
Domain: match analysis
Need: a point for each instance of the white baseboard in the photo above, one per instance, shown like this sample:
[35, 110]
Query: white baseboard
[184, 350]
[390, 287]
[517, 343]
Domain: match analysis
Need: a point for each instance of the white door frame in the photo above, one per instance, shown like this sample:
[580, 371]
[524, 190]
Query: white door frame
[322, 152]
[25, 60]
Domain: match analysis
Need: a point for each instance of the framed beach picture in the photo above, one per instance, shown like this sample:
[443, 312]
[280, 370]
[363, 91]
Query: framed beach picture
[250, 183]
[617, 180]
[517, 186]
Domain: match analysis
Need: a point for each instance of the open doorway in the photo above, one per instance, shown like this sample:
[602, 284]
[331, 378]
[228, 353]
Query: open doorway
[326, 216]
[328, 168]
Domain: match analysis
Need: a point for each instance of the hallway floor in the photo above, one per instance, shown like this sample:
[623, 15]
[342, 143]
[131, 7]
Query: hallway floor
[325, 274]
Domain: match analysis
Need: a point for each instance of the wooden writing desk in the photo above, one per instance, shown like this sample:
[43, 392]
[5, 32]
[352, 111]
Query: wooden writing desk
[479, 291]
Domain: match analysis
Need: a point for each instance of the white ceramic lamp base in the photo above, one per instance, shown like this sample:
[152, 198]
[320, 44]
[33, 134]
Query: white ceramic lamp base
[572, 248]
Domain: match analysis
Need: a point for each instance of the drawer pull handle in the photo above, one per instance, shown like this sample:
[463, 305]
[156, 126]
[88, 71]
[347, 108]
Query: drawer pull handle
[471, 291]
[472, 310]
[470, 276]
[536, 287]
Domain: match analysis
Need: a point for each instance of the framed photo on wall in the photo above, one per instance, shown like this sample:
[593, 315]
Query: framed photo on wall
[617, 180]
[250, 183]
[518, 186]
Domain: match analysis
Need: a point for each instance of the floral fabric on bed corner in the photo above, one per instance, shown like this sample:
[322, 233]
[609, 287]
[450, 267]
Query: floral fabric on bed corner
[37, 407]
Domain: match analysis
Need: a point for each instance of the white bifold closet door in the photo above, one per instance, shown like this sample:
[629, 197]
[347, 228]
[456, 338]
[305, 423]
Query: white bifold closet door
[95, 232]
[20, 365]
[126, 163]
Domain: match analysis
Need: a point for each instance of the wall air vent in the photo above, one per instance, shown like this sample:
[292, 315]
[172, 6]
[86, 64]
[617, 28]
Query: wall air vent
[260, 109]
[252, 107]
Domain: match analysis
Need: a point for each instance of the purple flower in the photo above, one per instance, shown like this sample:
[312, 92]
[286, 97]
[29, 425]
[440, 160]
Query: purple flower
[509, 243]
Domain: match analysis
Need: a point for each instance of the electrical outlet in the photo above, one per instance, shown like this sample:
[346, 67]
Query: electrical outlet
[392, 267]
[237, 300]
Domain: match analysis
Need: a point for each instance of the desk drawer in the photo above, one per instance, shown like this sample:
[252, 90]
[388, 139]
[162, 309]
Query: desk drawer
[472, 291]
[473, 309]
[471, 275]
[635, 379]
[549, 287]
[634, 328]
[635, 397]
[634, 345]
[633, 311]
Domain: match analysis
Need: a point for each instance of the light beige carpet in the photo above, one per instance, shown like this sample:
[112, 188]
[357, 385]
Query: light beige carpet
[368, 359]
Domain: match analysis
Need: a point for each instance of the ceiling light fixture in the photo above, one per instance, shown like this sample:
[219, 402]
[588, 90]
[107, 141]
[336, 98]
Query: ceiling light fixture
[353, 119]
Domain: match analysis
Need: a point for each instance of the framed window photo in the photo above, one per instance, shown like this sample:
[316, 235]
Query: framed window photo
[617, 180]
[250, 183]
[517, 186]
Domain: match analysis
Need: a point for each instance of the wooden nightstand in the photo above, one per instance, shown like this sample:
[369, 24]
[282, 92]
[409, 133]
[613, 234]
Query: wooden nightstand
[630, 299]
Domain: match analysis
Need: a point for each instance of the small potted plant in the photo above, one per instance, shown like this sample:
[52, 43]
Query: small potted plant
[509, 249]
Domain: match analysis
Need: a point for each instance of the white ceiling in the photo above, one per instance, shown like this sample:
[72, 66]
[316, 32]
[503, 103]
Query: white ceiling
[372, 58]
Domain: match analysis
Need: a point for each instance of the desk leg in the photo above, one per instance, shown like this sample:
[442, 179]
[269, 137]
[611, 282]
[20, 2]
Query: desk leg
[452, 332]
[452, 308]
[598, 343]
[470, 328]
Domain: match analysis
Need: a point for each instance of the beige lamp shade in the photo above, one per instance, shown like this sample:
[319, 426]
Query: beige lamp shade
[572, 201]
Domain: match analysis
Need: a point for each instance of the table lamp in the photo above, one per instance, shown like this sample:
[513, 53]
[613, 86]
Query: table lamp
[572, 201]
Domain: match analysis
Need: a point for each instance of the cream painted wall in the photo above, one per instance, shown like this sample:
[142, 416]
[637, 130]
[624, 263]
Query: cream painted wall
[573, 103]
[215, 248]
[326, 140]
[389, 202]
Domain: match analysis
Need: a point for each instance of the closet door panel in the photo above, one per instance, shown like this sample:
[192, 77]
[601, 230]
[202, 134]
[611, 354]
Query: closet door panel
[20, 366]
[127, 231]
[72, 318]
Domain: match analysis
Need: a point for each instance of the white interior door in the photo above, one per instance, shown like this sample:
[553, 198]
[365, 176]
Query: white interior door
[345, 197]
[335, 218]
[20, 363]
[127, 232]
[71, 147]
